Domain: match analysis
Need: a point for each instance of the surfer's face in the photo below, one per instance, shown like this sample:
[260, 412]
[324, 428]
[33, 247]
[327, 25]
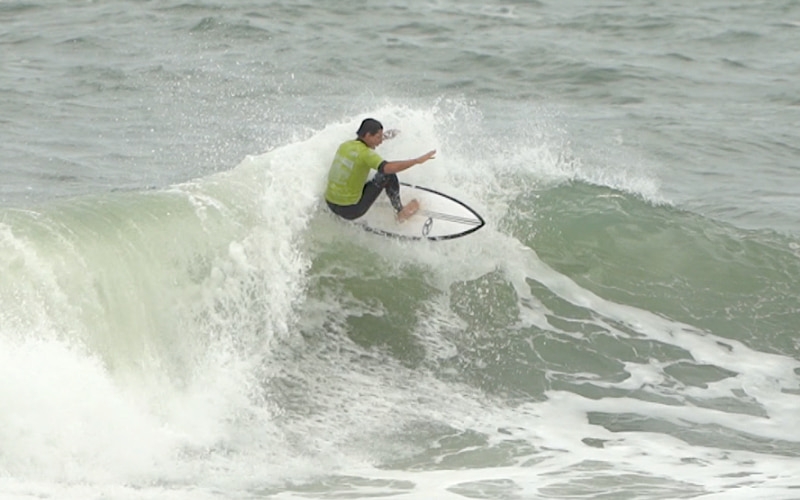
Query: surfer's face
[373, 140]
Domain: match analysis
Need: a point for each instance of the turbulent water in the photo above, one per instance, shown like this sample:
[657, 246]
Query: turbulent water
[181, 318]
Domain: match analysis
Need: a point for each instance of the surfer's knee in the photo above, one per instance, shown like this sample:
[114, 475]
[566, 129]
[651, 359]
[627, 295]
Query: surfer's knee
[383, 179]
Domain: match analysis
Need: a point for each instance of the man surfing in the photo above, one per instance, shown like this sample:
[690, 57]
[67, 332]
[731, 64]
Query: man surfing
[349, 194]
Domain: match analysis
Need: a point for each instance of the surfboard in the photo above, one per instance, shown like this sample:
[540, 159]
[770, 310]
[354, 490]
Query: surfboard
[440, 216]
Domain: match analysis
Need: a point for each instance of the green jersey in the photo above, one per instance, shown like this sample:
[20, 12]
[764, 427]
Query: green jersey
[349, 172]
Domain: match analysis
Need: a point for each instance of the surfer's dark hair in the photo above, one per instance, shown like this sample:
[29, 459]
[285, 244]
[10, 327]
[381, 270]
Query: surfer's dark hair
[369, 126]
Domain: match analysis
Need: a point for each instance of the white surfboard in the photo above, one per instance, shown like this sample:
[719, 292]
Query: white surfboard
[440, 217]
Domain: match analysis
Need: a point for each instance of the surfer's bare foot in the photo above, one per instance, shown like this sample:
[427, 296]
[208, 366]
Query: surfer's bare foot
[408, 210]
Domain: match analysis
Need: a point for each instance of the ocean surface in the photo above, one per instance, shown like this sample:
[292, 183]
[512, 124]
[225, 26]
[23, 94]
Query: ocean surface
[181, 317]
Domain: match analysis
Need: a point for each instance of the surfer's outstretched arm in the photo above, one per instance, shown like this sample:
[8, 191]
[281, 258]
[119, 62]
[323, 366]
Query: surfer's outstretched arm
[393, 167]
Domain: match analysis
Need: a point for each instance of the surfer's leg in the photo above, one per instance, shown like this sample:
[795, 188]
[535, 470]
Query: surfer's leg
[368, 196]
[348, 212]
[391, 185]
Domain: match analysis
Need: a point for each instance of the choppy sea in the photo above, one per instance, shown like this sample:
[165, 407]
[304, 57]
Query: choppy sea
[181, 318]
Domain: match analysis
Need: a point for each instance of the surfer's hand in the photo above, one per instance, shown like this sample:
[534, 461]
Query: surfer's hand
[427, 156]
[390, 134]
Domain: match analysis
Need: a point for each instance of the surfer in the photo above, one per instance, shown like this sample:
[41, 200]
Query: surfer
[349, 194]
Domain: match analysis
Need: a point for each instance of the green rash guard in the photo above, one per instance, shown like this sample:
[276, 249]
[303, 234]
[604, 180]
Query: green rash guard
[349, 172]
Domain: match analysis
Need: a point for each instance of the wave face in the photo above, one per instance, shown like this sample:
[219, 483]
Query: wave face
[228, 337]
